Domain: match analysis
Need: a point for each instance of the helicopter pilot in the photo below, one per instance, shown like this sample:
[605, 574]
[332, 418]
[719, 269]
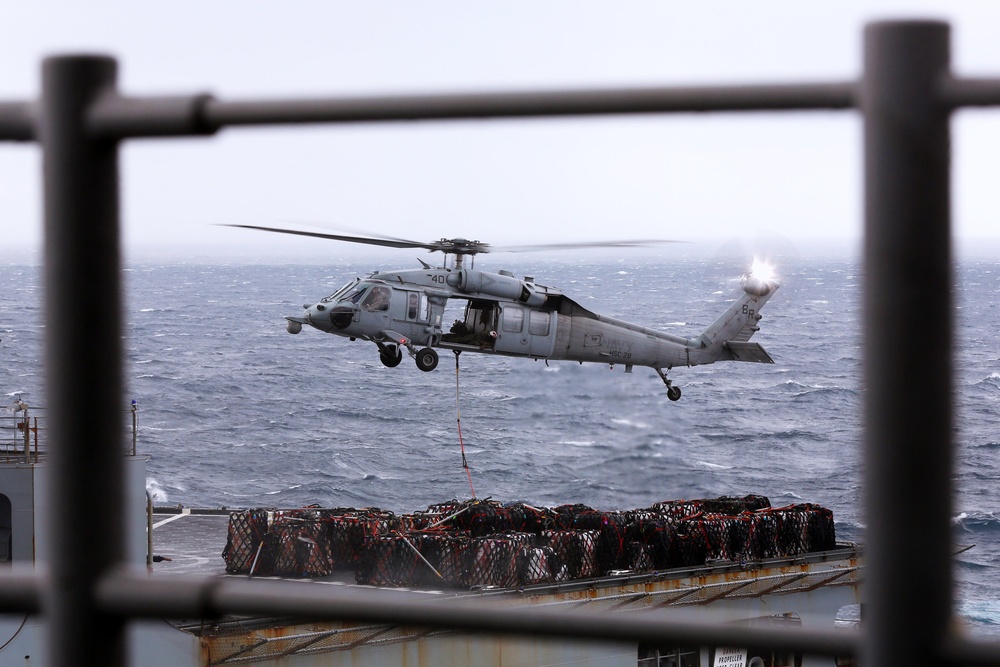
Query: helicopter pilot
[377, 300]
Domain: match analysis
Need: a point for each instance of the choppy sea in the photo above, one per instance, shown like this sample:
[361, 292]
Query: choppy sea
[235, 412]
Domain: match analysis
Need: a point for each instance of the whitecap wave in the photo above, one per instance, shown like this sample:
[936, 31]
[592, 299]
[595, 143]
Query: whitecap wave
[712, 466]
[156, 491]
[621, 421]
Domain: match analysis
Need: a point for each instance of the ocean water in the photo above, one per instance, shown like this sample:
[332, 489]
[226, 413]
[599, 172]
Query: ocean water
[235, 412]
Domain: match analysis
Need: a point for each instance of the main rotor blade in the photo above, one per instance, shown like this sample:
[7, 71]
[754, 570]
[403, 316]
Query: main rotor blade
[345, 229]
[637, 243]
[389, 243]
[458, 246]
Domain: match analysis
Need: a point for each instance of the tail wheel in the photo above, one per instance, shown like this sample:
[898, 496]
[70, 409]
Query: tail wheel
[392, 358]
[427, 359]
[674, 393]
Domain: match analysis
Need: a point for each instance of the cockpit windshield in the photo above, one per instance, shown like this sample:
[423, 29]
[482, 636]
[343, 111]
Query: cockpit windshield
[354, 288]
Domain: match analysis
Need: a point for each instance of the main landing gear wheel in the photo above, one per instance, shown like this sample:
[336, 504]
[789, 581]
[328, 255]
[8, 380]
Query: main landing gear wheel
[391, 356]
[427, 359]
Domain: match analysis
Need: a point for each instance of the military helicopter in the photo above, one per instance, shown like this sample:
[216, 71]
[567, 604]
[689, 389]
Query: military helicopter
[518, 317]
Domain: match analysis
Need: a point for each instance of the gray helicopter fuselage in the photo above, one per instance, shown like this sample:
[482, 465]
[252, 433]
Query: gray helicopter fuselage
[404, 310]
[517, 317]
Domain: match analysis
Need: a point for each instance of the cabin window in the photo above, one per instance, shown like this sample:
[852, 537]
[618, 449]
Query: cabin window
[6, 527]
[513, 319]
[377, 299]
[416, 307]
[538, 323]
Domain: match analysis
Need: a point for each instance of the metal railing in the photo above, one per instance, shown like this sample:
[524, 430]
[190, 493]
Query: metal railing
[24, 435]
[906, 95]
[19, 434]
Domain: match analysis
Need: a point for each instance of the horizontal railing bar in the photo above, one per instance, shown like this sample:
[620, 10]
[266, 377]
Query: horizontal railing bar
[16, 121]
[210, 597]
[773, 97]
[164, 596]
[21, 589]
[122, 117]
[970, 92]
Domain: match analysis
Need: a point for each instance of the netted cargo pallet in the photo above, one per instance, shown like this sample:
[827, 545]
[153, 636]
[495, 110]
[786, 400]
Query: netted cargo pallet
[296, 548]
[349, 532]
[577, 550]
[493, 560]
[449, 559]
[247, 529]
[540, 565]
[655, 534]
[413, 559]
[305, 542]
[803, 528]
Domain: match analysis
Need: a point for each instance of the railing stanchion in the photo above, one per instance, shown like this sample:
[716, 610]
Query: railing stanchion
[907, 377]
[86, 510]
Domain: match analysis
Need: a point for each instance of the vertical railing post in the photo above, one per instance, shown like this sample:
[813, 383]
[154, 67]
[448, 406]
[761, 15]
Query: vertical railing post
[83, 359]
[907, 344]
[135, 424]
[26, 423]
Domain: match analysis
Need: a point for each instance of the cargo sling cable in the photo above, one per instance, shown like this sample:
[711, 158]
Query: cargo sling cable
[458, 418]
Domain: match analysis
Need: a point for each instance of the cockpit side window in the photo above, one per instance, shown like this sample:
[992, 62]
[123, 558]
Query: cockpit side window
[377, 299]
[351, 293]
[355, 295]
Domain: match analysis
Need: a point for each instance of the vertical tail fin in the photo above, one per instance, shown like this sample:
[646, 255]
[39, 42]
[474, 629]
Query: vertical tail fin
[728, 337]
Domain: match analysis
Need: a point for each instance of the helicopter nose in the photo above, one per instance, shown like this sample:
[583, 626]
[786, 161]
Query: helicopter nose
[312, 315]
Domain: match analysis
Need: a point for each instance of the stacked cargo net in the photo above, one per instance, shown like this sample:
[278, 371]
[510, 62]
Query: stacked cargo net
[307, 542]
[485, 544]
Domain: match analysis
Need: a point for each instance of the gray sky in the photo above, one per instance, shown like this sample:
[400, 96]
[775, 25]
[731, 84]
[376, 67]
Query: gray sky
[714, 177]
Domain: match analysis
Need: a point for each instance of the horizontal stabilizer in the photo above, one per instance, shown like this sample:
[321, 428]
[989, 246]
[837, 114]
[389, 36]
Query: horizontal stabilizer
[747, 351]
